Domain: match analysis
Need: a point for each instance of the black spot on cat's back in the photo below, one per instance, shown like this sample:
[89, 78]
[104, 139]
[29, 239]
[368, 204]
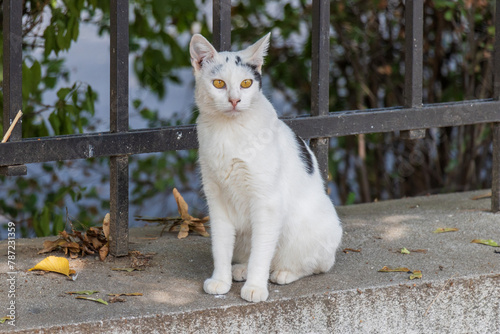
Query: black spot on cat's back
[305, 155]
[227, 59]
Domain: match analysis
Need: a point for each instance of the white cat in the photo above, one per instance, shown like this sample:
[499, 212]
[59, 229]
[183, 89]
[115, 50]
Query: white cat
[269, 213]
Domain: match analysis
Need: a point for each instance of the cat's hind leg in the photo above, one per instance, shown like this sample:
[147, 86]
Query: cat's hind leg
[284, 277]
[239, 271]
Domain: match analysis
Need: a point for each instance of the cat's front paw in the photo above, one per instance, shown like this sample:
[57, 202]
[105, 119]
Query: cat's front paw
[216, 287]
[254, 293]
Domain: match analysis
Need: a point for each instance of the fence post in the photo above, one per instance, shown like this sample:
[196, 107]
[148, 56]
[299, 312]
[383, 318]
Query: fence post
[119, 179]
[320, 81]
[12, 75]
[495, 173]
[221, 25]
[414, 35]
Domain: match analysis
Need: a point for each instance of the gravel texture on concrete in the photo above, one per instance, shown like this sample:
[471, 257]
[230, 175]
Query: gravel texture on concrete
[458, 292]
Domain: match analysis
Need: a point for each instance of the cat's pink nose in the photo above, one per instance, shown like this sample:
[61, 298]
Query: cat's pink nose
[234, 102]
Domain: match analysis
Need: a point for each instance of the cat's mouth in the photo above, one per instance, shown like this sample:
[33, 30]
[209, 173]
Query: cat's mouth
[232, 111]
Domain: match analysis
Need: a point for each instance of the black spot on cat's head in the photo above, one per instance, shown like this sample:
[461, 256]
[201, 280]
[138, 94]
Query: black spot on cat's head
[216, 69]
[238, 60]
[227, 59]
[305, 155]
[256, 74]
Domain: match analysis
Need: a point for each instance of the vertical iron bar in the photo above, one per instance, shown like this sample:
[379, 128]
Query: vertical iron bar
[222, 25]
[119, 52]
[118, 205]
[320, 77]
[119, 66]
[12, 69]
[414, 34]
[12, 75]
[496, 54]
[495, 173]
[495, 182]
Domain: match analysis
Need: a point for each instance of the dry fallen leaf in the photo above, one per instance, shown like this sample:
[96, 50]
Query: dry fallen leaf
[187, 222]
[418, 250]
[488, 242]
[386, 269]
[417, 274]
[445, 229]
[98, 300]
[347, 250]
[83, 292]
[116, 299]
[106, 224]
[413, 274]
[183, 224]
[181, 205]
[54, 264]
[49, 246]
[95, 239]
[103, 252]
[138, 259]
[4, 319]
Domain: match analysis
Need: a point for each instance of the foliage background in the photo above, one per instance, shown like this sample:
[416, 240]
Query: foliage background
[366, 71]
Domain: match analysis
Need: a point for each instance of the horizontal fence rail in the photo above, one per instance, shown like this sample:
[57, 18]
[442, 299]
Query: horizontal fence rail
[184, 137]
[411, 119]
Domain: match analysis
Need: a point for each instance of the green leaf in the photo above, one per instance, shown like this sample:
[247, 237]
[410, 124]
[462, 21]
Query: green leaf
[63, 92]
[417, 274]
[448, 15]
[41, 222]
[445, 229]
[26, 76]
[98, 300]
[36, 75]
[351, 198]
[488, 242]
[4, 319]
[55, 123]
[50, 41]
[405, 251]
[58, 224]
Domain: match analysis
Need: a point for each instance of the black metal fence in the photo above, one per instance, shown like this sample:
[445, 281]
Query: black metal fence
[120, 142]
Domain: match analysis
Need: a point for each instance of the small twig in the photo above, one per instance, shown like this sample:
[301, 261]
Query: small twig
[444, 286]
[11, 127]
[475, 198]
[159, 219]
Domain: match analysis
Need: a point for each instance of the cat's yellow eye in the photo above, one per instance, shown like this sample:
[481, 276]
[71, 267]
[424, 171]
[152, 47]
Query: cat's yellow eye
[219, 84]
[246, 83]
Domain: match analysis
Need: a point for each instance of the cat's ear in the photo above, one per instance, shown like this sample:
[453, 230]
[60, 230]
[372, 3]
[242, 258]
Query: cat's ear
[200, 50]
[254, 54]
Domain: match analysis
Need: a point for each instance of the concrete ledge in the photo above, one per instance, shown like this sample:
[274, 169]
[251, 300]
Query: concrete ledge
[459, 289]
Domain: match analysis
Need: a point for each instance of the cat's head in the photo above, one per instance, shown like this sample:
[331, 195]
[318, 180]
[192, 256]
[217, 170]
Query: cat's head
[227, 83]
